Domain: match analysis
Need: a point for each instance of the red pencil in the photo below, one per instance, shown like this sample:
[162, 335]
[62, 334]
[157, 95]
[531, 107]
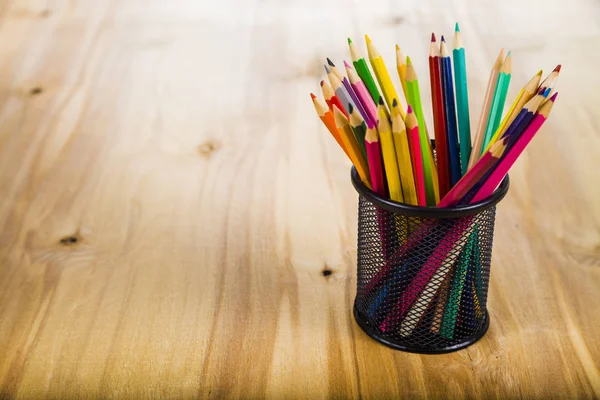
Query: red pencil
[412, 128]
[474, 175]
[374, 159]
[331, 99]
[439, 118]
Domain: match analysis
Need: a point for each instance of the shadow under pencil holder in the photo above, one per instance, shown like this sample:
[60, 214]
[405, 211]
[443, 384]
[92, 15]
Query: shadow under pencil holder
[423, 272]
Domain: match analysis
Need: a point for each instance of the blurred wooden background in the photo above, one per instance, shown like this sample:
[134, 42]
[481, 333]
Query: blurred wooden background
[169, 202]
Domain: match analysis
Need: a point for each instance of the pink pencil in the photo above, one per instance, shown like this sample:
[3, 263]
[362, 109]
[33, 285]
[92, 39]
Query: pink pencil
[363, 96]
[412, 128]
[514, 152]
[481, 167]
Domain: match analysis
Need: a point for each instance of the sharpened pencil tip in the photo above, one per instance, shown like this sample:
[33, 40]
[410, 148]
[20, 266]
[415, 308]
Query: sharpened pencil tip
[327, 69]
[349, 41]
[540, 72]
[350, 108]
[346, 64]
[557, 69]
[322, 82]
[432, 37]
[380, 102]
[508, 54]
[312, 96]
[408, 61]
[547, 92]
[456, 28]
[443, 39]
[409, 109]
[395, 103]
[397, 48]
[330, 62]
[367, 38]
[554, 96]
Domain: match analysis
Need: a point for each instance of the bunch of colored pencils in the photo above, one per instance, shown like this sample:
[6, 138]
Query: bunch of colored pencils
[391, 150]
[390, 146]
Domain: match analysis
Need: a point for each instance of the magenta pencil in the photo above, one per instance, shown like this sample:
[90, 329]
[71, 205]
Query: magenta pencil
[412, 128]
[514, 152]
[374, 158]
[362, 93]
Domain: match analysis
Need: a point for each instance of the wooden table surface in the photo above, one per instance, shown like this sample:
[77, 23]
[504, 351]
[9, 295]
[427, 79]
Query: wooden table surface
[169, 202]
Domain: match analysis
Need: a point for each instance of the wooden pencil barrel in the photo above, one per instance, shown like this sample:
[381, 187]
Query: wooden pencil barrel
[423, 272]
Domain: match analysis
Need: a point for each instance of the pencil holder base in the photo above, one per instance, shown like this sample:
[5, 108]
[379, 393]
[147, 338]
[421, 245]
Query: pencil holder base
[399, 345]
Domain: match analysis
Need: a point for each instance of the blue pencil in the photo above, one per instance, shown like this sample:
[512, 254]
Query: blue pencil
[450, 108]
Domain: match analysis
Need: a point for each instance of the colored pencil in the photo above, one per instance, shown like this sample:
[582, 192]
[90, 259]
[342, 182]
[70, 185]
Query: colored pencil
[549, 81]
[374, 158]
[359, 128]
[351, 145]
[439, 119]
[456, 291]
[330, 98]
[526, 93]
[412, 128]
[474, 175]
[362, 69]
[429, 168]
[415, 300]
[498, 100]
[403, 157]
[401, 67]
[363, 95]
[462, 100]
[355, 101]
[340, 90]
[485, 112]
[326, 116]
[514, 152]
[389, 155]
[450, 113]
[382, 75]
[525, 116]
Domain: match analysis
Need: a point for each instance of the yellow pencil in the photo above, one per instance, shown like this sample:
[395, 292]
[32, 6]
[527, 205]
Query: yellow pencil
[407, 178]
[389, 155]
[382, 75]
[351, 145]
[401, 67]
[523, 97]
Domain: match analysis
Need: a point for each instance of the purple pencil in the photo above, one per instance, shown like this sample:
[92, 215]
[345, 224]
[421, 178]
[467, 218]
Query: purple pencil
[349, 90]
[363, 96]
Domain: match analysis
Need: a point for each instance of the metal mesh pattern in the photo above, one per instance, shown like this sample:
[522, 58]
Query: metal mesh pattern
[423, 282]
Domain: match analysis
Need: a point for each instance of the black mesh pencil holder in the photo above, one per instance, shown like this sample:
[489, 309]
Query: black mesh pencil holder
[423, 272]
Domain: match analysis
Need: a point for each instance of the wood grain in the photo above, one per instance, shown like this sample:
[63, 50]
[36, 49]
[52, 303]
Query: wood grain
[169, 203]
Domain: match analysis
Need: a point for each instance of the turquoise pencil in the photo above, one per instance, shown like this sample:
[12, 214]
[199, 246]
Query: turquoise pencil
[462, 100]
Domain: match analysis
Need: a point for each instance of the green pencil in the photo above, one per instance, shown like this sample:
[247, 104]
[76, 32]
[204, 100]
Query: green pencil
[498, 100]
[456, 290]
[359, 128]
[462, 100]
[414, 100]
[362, 69]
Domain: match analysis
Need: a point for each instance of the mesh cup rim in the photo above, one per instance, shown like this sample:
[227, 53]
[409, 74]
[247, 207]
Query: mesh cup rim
[429, 212]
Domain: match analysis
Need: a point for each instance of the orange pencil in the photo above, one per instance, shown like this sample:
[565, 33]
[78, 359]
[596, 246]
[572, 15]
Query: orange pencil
[327, 117]
[412, 128]
[350, 143]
